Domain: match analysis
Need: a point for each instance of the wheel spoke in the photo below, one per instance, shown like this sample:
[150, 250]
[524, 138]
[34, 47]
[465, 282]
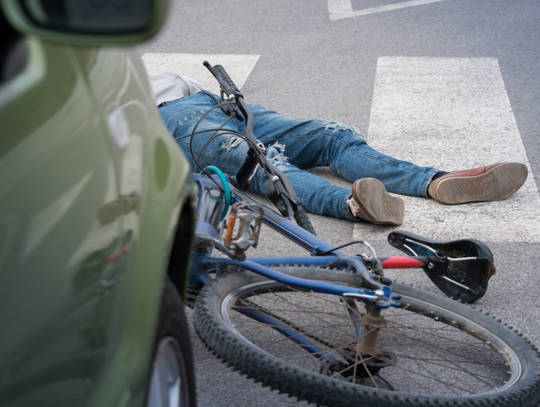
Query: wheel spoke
[427, 347]
[316, 311]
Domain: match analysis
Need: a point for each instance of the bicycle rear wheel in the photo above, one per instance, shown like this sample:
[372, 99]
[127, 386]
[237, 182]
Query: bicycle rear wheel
[431, 350]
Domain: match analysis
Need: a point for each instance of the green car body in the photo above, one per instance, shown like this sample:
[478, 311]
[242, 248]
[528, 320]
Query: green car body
[95, 195]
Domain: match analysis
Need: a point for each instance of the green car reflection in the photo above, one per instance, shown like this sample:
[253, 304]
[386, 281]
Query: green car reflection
[96, 215]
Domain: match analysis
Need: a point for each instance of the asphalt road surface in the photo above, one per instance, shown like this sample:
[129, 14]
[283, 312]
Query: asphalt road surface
[444, 83]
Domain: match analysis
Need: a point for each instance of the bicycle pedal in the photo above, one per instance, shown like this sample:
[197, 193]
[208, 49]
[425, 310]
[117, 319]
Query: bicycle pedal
[243, 226]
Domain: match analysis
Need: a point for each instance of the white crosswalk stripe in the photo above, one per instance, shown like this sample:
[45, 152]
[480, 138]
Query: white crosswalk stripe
[340, 9]
[450, 113]
[238, 66]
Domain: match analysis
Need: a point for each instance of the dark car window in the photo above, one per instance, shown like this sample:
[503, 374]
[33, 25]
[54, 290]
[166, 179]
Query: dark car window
[13, 51]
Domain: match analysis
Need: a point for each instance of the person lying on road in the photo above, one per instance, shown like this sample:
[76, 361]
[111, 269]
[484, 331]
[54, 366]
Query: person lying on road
[294, 145]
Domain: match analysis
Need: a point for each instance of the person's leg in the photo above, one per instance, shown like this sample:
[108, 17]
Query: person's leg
[220, 147]
[313, 143]
[368, 201]
[310, 144]
[306, 144]
[227, 151]
[317, 194]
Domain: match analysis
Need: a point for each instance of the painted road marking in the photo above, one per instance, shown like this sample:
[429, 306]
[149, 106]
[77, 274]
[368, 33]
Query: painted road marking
[442, 112]
[450, 113]
[340, 9]
[237, 66]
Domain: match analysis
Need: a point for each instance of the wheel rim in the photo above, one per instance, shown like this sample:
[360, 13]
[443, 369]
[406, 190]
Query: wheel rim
[443, 354]
[168, 380]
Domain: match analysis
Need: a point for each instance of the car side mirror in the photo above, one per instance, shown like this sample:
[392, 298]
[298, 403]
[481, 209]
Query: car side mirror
[87, 22]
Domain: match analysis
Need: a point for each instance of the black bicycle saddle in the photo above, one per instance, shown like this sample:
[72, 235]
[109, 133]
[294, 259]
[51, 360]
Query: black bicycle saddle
[459, 268]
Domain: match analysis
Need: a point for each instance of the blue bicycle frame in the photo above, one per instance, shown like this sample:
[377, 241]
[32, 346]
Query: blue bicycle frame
[209, 210]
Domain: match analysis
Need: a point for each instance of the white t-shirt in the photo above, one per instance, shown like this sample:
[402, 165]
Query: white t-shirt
[169, 86]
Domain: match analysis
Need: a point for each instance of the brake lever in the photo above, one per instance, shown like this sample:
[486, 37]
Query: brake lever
[276, 192]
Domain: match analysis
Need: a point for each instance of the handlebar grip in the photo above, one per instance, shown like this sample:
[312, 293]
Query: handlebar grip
[303, 221]
[225, 82]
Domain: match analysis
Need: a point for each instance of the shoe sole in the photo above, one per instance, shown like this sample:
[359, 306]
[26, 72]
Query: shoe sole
[497, 184]
[377, 204]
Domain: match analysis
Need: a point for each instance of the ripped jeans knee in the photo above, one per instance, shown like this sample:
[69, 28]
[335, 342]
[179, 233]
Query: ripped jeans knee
[231, 142]
[336, 126]
[276, 155]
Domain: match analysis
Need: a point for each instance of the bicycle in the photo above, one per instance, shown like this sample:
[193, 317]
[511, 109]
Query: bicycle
[331, 328]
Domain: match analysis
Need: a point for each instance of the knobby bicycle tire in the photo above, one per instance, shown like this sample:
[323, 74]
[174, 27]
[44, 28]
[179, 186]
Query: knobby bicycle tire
[432, 350]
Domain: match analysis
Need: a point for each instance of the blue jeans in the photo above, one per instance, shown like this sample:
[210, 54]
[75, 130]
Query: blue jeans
[293, 146]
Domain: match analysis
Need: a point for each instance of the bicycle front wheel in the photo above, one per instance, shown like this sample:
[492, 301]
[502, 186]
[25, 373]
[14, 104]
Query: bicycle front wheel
[430, 351]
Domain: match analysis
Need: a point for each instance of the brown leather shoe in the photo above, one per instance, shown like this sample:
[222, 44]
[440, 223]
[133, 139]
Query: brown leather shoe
[373, 204]
[489, 183]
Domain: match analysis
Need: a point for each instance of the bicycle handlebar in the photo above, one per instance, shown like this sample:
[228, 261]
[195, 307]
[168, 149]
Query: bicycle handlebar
[278, 187]
[225, 82]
